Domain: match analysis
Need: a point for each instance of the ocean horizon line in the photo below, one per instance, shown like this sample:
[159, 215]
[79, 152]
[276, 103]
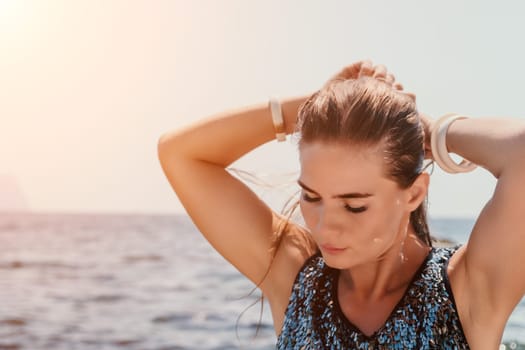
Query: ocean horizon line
[160, 213]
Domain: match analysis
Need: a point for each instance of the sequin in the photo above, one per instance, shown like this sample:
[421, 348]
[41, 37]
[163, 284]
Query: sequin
[425, 318]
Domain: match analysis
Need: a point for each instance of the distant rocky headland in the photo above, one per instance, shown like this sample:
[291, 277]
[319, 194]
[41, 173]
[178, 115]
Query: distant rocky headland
[12, 197]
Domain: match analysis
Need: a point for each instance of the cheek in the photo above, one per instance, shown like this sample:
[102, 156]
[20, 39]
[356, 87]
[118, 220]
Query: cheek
[385, 224]
[369, 229]
[309, 213]
[377, 226]
[393, 211]
[332, 221]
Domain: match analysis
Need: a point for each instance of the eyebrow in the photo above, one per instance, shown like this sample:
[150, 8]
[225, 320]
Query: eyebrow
[343, 196]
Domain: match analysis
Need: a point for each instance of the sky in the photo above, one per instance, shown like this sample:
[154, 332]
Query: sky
[88, 87]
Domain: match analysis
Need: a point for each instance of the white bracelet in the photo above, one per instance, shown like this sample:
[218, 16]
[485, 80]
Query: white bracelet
[277, 118]
[438, 143]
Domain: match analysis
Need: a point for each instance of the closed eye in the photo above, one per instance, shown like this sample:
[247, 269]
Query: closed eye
[308, 198]
[349, 208]
[354, 209]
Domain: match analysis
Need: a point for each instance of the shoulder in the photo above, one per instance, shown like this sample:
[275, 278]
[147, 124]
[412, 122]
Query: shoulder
[431, 280]
[292, 248]
[443, 256]
[480, 322]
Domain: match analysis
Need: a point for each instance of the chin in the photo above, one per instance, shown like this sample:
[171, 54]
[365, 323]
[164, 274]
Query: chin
[338, 261]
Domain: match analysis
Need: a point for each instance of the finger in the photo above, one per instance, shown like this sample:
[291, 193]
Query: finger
[379, 72]
[390, 79]
[398, 86]
[411, 95]
[367, 69]
[351, 71]
[367, 63]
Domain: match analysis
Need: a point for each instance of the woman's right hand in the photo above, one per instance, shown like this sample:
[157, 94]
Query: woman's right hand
[366, 68]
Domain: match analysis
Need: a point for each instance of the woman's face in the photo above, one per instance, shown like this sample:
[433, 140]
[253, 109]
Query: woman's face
[355, 214]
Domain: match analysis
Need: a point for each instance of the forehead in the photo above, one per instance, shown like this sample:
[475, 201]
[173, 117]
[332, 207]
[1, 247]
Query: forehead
[337, 168]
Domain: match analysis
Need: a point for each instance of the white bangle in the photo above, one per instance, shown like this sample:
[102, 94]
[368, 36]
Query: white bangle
[277, 118]
[438, 143]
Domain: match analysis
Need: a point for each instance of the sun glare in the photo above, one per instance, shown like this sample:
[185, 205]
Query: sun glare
[14, 15]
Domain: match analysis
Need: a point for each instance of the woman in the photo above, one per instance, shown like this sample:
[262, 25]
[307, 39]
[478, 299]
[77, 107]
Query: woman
[363, 274]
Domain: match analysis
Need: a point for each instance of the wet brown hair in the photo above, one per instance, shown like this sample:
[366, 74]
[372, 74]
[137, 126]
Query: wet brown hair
[369, 112]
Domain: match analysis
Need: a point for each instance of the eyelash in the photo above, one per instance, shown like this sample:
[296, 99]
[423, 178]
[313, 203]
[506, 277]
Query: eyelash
[358, 210]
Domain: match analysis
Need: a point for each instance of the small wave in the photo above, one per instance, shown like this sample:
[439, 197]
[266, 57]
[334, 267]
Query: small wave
[192, 317]
[12, 265]
[126, 342]
[140, 258]
[103, 277]
[181, 288]
[180, 317]
[8, 346]
[254, 325]
[107, 298]
[13, 322]
[16, 264]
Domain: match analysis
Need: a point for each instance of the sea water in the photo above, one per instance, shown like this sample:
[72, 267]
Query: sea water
[86, 281]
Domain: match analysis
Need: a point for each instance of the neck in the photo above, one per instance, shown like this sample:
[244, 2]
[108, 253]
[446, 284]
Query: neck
[391, 272]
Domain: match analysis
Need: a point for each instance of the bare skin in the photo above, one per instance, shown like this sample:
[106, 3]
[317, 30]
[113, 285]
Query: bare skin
[485, 274]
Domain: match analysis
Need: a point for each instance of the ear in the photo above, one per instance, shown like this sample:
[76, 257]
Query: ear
[417, 191]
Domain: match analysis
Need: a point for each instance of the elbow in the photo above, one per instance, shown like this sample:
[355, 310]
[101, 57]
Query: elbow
[161, 142]
[161, 147]
[164, 147]
[166, 156]
[171, 151]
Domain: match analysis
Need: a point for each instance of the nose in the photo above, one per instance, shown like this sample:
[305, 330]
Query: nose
[328, 223]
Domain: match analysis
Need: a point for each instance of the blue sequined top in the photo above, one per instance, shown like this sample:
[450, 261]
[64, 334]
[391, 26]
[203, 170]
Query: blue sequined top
[425, 318]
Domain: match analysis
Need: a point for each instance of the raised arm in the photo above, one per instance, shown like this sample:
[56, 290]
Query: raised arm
[491, 266]
[231, 217]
